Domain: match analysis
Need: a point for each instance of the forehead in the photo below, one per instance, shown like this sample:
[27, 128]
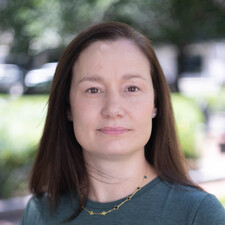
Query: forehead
[119, 56]
[122, 44]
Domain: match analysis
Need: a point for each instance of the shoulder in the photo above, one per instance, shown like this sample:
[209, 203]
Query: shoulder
[38, 212]
[209, 211]
[180, 193]
[34, 210]
[200, 207]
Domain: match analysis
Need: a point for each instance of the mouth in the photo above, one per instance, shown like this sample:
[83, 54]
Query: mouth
[114, 130]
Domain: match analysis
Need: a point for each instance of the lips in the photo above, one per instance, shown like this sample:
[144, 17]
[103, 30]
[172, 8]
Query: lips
[114, 130]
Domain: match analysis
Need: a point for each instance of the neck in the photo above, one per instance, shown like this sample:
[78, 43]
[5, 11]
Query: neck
[113, 180]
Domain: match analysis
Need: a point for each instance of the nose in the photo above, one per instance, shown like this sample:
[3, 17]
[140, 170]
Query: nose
[113, 106]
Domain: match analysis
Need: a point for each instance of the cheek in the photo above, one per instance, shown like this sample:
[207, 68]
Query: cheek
[81, 124]
[144, 117]
[83, 115]
[144, 109]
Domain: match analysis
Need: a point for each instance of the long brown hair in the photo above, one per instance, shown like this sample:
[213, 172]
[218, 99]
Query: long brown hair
[59, 166]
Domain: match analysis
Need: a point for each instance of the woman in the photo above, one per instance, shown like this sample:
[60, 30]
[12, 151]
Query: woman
[109, 152]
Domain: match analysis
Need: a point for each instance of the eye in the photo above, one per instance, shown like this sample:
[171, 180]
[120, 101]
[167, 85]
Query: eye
[133, 89]
[93, 90]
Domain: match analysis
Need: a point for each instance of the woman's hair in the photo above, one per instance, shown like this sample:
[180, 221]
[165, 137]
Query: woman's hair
[59, 166]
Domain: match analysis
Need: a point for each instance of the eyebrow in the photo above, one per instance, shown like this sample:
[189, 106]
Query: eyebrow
[94, 78]
[131, 76]
[97, 78]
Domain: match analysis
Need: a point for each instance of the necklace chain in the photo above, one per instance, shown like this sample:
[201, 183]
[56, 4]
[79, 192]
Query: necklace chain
[116, 207]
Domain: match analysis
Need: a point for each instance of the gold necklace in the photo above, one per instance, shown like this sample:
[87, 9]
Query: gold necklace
[116, 207]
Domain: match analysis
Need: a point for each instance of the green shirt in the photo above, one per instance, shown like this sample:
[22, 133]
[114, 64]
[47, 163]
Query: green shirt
[157, 203]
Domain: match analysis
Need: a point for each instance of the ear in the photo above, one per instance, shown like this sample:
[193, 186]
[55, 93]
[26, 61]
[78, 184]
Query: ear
[69, 115]
[154, 113]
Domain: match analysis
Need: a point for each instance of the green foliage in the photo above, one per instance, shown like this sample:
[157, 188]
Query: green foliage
[223, 201]
[40, 25]
[188, 120]
[20, 129]
[216, 102]
[44, 24]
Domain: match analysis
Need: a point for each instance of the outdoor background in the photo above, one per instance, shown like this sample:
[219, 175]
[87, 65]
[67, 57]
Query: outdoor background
[189, 39]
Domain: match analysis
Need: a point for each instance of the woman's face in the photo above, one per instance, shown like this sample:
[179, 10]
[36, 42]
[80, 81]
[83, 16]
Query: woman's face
[112, 99]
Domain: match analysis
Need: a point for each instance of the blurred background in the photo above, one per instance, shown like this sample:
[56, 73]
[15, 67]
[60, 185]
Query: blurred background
[189, 39]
